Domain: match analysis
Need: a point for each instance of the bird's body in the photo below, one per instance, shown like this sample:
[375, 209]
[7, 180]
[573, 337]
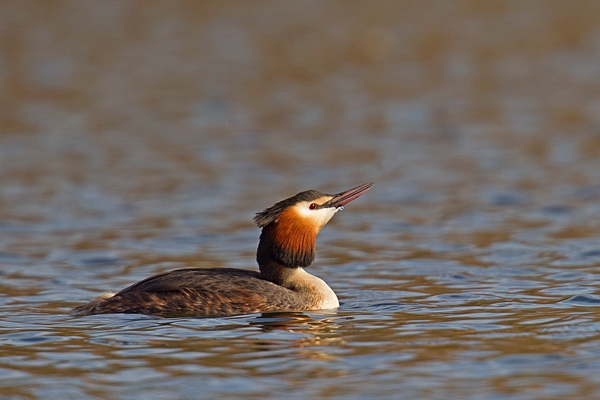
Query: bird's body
[286, 246]
[210, 292]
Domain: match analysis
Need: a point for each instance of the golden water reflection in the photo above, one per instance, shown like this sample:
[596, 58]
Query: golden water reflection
[138, 138]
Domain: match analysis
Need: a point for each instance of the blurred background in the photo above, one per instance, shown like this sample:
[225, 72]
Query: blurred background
[130, 99]
[136, 137]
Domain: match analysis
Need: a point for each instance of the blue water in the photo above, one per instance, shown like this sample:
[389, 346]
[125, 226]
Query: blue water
[135, 141]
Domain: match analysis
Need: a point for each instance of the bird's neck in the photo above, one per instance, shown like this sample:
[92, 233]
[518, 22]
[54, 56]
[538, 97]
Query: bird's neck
[290, 245]
[283, 252]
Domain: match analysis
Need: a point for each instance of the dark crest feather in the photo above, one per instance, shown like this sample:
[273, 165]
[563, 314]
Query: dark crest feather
[271, 214]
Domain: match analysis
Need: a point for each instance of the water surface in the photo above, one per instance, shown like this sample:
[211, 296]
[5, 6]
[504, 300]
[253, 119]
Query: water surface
[135, 140]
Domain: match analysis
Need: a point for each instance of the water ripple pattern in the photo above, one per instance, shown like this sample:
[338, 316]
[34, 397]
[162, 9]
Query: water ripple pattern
[139, 139]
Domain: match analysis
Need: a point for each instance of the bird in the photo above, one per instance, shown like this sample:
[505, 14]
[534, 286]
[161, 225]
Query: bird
[286, 247]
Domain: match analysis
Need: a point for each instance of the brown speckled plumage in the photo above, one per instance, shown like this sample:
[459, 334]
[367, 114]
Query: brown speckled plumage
[197, 291]
[287, 244]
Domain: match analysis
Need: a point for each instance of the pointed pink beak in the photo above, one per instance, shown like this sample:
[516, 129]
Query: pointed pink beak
[346, 197]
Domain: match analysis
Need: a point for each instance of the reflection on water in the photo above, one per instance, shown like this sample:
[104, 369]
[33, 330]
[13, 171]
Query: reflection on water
[135, 141]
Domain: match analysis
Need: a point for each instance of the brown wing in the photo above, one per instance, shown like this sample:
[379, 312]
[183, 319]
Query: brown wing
[190, 278]
[198, 292]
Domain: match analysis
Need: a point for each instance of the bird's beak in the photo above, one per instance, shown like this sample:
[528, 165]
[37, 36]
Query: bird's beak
[346, 197]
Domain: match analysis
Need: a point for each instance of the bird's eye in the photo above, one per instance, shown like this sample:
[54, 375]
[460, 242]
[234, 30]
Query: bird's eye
[312, 206]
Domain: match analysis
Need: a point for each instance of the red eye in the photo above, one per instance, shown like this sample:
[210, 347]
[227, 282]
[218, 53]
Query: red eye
[312, 206]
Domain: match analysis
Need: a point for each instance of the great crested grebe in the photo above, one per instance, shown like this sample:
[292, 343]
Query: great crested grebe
[286, 246]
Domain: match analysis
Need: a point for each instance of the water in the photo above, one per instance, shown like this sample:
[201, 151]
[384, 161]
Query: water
[138, 140]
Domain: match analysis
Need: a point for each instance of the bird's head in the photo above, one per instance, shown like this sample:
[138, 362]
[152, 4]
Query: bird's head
[290, 227]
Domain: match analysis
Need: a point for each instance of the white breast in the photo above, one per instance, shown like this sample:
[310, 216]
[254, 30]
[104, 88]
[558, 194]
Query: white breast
[328, 298]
